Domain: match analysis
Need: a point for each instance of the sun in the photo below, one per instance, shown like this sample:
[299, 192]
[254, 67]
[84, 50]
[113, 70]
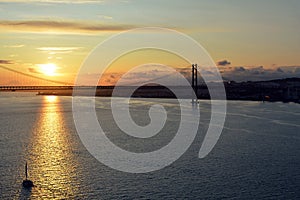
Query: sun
[48, 69]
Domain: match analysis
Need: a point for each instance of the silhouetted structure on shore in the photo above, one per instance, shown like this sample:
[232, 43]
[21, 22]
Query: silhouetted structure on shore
[285, 90]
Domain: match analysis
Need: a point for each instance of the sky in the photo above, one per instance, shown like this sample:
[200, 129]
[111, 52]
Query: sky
[248, 40]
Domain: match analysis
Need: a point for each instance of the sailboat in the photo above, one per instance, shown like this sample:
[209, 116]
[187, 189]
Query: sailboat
[27, 183]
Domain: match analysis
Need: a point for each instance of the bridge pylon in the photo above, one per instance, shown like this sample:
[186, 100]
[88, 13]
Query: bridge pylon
[195, 81]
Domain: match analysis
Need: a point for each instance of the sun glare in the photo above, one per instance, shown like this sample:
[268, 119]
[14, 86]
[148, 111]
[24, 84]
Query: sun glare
[48, 69]
[50, 99]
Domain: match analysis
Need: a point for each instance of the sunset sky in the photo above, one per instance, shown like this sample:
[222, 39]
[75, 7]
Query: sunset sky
[248, 40]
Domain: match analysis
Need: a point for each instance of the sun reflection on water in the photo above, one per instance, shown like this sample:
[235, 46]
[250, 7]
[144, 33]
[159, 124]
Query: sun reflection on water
[52, 164]
[50, 99]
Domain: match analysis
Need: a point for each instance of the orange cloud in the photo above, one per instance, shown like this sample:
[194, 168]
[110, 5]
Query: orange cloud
[60, 26]
[6, 62]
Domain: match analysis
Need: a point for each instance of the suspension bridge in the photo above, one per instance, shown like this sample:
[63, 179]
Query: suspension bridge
[12, 80]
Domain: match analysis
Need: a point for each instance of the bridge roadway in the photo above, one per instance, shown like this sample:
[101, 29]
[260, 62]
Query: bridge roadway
[15, 88]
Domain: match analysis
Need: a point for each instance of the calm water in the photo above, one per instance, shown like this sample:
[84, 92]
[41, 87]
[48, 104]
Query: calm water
[256, 157]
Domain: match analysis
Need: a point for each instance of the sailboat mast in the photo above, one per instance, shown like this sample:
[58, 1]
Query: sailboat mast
[26, 174]
[27, 183]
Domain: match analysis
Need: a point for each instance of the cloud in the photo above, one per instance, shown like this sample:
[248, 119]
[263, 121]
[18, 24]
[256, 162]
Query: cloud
[55, 1]
[239, 69]
[33, 70]
[105, 17]
[150, 73]
[60, 26]
[58, 50]
[259, 73]
[279, 70]
[186, 72]
[238, 73]
[223, 63]
[6, 62]
[297, 71]
[14, 46]
[257, 70]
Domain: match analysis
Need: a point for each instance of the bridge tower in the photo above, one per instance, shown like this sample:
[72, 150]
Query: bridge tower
[195, 80]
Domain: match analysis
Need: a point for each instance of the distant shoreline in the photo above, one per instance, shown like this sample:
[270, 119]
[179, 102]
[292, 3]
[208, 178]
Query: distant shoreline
[156, 94]
[281, 90]
[70, 93]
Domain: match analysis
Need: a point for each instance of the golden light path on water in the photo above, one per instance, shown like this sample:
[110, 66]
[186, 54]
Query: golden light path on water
[51, 162]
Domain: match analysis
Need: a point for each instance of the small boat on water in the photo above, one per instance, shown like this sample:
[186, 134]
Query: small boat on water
[27, 183]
